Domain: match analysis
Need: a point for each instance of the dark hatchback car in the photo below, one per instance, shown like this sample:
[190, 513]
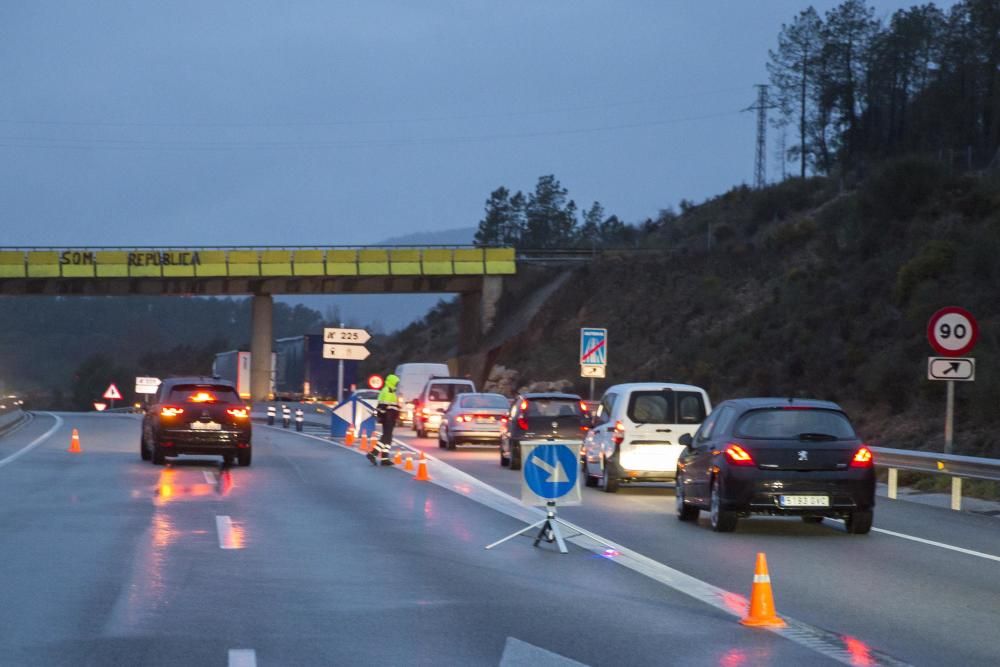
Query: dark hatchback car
[196, 415]
[779, 457]
[541, 416]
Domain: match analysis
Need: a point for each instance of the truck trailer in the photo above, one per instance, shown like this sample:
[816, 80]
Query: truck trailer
[303, 374]
[234, 366]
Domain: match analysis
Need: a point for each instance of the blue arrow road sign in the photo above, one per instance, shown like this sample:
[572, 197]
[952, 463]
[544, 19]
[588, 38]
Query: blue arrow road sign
[593, 347]
[550, 471]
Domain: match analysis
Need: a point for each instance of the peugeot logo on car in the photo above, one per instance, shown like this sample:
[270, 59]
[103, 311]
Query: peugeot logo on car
[803, 455]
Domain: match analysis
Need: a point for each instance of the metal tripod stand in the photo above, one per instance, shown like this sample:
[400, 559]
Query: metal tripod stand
[549, 531]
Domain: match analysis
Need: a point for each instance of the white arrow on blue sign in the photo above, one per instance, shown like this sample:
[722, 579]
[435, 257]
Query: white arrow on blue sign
[551, 472]
[593, 347]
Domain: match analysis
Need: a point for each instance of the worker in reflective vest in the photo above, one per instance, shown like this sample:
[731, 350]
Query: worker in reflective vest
[388, 413]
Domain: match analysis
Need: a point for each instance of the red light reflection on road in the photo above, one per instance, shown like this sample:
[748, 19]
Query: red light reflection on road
[225, 484]
[735, 603]
[734, 657]
[861, 653]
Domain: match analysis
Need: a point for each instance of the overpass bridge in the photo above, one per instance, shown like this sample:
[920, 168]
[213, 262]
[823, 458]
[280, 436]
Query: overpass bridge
[476, 274]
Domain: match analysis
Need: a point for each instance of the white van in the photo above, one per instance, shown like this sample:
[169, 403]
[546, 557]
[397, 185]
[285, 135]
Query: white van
[636, 429]
[435, 400]
[412, 380]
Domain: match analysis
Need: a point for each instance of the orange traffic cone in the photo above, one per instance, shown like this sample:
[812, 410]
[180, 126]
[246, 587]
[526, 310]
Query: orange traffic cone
[363, 443]
[349, 437]
[762, 613]
[398, 458]
[74, 443]
[409, 463]
[422, 475]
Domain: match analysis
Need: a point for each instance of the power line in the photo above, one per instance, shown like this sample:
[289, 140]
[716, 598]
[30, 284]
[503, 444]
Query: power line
[366, 121]
[141, 144]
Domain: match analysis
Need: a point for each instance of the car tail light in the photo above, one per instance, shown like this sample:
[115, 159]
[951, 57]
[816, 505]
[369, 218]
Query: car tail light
[238, 413]
[863, 458]
[524, 405]
[170, 411]
[167, 443]
[425, 411]
[618, 437]
[522, 423]
[738, 456]
[583, 405]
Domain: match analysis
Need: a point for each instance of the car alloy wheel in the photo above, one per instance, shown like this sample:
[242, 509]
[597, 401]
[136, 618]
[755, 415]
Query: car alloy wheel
[684, 511]
[723, 521]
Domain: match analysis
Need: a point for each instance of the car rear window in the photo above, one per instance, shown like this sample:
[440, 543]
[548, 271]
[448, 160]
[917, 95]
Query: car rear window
[553, 407]
[447, 391]
[666, 406]
[203, 393]
[786, 423]
[484, 402]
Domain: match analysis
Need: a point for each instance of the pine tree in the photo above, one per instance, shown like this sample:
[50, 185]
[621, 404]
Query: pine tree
[792, 72]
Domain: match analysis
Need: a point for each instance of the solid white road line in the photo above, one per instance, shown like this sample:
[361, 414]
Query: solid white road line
[941, 545]
[34, 443]
[224, 526]
[242, 657]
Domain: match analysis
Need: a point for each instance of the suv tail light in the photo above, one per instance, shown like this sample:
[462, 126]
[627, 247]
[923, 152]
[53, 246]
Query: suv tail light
[522, 423]
[618, 437]
[170, 411]
[738, 456]
[863, 458]
[238, 413]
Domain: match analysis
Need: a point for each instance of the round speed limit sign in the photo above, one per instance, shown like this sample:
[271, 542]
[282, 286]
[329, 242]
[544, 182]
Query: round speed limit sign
[952, 331]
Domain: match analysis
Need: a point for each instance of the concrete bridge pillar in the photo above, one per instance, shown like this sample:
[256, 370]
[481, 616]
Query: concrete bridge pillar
[261, 337]
[476, 320]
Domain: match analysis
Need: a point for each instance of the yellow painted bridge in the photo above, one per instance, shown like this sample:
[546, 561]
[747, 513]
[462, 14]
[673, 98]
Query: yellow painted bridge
[253, 262]
[243, 270]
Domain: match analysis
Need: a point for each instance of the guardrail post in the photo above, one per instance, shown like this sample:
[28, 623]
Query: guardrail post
[956, 493]
[893, 482]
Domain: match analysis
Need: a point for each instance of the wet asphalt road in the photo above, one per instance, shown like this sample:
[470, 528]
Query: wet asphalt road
[921, 603]
[309, 557]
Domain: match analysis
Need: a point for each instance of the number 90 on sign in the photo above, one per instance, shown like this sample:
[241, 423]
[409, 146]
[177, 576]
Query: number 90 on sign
[952, 331]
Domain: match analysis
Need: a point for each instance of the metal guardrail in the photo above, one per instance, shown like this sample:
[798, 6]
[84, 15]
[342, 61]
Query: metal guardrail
[958, 467]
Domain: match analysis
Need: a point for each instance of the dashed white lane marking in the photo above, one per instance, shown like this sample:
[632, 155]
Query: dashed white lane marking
[227, 537]
[34, 443]
[242, 657]
[517, 653]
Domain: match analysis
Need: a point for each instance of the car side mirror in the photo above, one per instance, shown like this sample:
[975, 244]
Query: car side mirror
[686, 440]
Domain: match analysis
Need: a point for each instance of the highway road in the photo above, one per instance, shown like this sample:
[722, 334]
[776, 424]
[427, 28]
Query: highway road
[921, 602]
[314, 557]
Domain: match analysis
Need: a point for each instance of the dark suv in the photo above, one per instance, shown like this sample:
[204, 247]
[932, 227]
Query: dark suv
[538, 417]
[776, 456]
[196, 415]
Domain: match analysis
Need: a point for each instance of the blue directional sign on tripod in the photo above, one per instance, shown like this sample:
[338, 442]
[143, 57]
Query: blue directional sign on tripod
[551, 472]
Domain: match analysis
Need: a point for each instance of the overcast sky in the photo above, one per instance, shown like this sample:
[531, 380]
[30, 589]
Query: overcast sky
[332, 122]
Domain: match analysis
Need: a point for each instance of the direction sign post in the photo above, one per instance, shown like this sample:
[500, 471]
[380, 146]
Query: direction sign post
[340, 343]
[551, 472]
[952, 332]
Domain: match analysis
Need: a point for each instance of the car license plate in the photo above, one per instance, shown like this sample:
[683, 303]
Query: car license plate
[804, 501]
[206, 426]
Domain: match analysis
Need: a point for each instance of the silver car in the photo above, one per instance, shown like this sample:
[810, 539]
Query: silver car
[473, 418]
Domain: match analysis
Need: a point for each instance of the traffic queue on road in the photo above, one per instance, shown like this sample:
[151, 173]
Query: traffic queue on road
[763, 456]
